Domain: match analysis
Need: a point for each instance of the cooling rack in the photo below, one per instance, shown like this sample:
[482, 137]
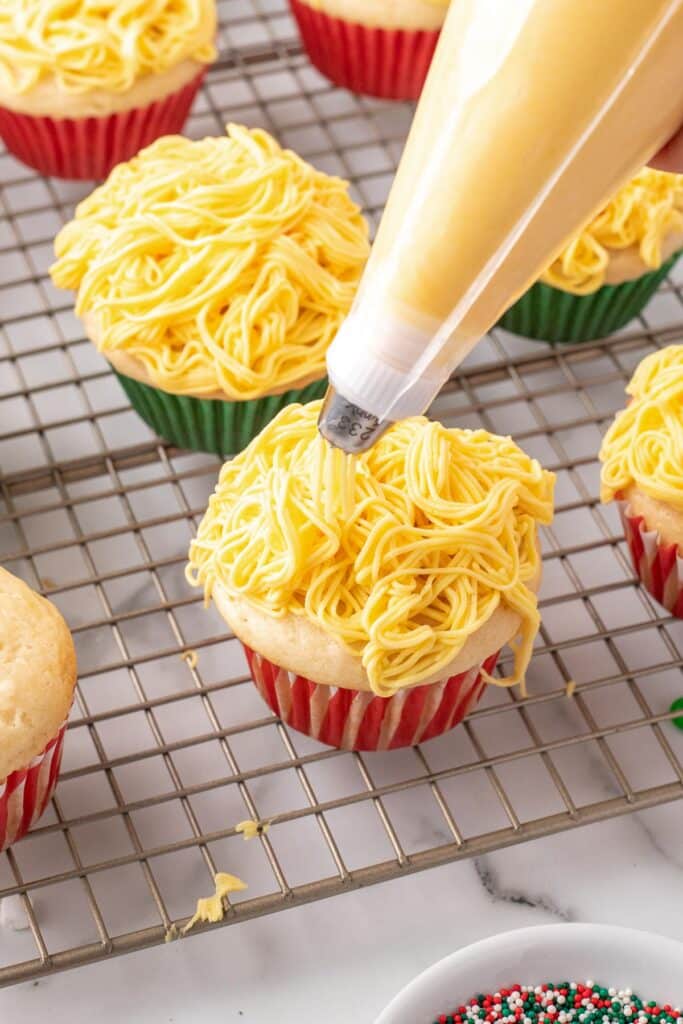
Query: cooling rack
[162, 758]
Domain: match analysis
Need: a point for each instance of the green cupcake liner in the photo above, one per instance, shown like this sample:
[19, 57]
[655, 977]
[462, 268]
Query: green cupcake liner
[209, 424]
[549, 314]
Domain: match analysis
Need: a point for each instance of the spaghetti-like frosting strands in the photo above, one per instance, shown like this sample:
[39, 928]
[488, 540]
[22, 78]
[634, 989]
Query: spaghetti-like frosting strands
[89, 45]
[644, 445]
[641, 214]
[222, 265]
[401, 553]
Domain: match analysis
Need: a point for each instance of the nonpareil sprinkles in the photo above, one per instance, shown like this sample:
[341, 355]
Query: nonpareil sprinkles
[564, 1002]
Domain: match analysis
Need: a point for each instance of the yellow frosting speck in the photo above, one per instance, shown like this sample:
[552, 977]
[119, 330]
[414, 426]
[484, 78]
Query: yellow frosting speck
[211, 909]
[251, 829]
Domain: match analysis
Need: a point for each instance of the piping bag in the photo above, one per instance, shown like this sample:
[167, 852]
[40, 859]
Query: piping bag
[533, 114]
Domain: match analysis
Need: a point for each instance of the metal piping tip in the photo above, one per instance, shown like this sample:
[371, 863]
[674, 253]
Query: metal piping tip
[347, 426]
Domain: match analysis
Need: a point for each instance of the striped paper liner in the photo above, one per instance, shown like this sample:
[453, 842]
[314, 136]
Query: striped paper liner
[25, 794]
[659, 566]
[385, 62]
[89, 147]
[355, 720]
[209, 424]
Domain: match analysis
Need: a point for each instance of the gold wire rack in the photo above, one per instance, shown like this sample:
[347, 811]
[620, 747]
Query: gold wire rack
[163, 759]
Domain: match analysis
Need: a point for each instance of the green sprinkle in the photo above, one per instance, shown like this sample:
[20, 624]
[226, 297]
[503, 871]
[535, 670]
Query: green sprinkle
[678, 720]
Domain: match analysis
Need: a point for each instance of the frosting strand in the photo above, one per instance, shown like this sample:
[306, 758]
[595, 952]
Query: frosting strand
[402, 553]
[641, 214]
[222, 265]
[644, 445]
[88, 45]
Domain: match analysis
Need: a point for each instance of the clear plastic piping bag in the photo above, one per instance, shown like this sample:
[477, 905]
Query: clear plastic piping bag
[533, 114]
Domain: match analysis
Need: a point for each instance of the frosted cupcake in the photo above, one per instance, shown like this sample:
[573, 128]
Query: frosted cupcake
[85, 85]
[383, 48]
[642, 457]
[213, 276]
[608, 273]
[373, 593]
[37, 680]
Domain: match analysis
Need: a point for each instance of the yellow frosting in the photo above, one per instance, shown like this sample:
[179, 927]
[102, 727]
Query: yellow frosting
[251, 829]
[402, 553]
[644, 445]
[222, 265]
[211, 909]
[87, 45]
[641, 214]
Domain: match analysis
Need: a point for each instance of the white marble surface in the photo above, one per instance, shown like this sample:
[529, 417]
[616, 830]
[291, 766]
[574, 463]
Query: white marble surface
[342, 960]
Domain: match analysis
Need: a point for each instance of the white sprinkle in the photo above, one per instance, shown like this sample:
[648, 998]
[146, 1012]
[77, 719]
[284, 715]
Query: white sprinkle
[12, 913]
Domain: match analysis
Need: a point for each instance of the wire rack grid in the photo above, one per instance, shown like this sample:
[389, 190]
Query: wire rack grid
[162, 758]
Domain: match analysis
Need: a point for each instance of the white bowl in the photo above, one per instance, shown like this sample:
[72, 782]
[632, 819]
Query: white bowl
[649, 964]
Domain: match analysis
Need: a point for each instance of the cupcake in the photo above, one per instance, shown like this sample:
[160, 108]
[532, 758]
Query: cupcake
[642, 469]
[37, 680]
[609, 272]
[383, 48]
[373, 593]
[85, 85]
[213, 276]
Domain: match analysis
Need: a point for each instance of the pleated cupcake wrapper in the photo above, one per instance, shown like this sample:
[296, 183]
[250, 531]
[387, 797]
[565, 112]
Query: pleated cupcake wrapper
[208, 424]
[389, 63]
[549, 314]
[25, 794]
[658, 565]
[88, 147]
[355, 720]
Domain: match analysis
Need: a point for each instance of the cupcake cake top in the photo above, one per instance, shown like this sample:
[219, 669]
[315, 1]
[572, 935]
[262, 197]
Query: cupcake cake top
[37, 673]
[402, 553]
[644, 445]
[643, 218]
[88, 45]
[223, 268]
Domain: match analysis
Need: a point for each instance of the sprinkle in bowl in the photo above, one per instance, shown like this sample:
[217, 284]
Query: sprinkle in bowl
[622, 958]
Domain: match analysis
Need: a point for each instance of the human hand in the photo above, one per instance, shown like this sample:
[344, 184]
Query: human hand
[670, 157]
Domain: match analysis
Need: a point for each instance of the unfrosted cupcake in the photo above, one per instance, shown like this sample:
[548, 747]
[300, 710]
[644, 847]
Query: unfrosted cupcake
[213, 276]
[381, 48]
[609, 272]
[37, 680]
[642, 457]
[85, 85]
[373, 593]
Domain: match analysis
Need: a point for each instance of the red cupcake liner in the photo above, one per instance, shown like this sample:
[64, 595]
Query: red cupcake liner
[355, 720]
[25, 794]
[89, 147]
[659, 566]
[384, 62]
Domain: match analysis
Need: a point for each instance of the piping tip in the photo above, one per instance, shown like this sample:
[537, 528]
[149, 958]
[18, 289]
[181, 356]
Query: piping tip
[347, 426]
